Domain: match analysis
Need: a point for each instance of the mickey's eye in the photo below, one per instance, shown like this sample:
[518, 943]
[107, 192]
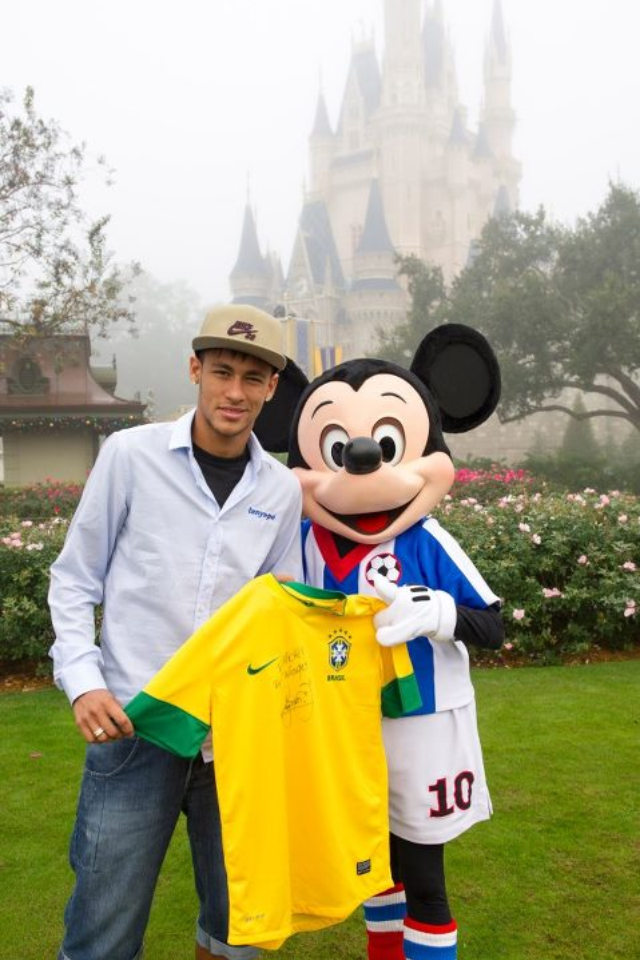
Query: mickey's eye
[332, 446]
[390, 435]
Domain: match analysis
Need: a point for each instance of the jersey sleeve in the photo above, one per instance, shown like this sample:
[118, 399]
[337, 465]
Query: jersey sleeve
[173, 711]
[447, 567]
[400, 690]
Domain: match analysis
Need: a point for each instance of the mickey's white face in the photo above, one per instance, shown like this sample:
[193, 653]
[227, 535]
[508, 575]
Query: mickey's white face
[375, 488]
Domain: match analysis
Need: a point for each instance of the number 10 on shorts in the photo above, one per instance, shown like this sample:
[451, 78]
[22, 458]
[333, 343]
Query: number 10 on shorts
[452, 796]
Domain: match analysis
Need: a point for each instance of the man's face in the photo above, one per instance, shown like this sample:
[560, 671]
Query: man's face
[233, 389]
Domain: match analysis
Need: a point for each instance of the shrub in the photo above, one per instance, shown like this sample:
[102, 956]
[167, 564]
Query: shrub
[566, 566]
[27, 549]
[40, 501]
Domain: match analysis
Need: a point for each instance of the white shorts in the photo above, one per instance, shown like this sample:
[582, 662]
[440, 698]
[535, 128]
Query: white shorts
[437, 784]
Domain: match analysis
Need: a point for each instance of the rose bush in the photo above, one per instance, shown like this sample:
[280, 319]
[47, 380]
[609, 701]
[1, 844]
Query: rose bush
[565, 565]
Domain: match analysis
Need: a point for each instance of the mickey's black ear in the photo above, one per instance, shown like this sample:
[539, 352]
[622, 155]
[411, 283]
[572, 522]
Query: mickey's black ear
[461, 371]
[273, 425]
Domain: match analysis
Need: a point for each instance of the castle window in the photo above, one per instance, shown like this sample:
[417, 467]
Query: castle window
[26, 378]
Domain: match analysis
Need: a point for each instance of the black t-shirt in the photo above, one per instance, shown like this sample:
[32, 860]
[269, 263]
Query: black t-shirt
[221, 473]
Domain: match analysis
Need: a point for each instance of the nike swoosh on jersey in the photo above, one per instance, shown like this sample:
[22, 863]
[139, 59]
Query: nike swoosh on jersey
[253, 670]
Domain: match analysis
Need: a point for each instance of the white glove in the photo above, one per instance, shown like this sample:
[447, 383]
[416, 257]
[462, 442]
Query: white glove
[413, 611]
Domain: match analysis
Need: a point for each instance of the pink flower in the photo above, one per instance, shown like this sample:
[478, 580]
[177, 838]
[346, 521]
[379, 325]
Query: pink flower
[507, 646]
[524, 528]
[27, 523]
[631, 609]
[623, 518]
[583, 560]
[537, 539]
[629, 565]
[553, 592]
[519, 614]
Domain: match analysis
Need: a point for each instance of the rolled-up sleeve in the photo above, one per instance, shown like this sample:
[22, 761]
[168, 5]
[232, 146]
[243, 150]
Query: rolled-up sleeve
[78, 575]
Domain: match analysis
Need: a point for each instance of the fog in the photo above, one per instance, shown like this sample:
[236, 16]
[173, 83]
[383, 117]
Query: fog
[198, 104]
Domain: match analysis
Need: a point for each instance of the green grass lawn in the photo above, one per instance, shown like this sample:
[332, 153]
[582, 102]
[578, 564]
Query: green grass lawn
[554, 875]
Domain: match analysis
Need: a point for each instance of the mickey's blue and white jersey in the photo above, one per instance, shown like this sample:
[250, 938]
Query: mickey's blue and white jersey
[424, 554]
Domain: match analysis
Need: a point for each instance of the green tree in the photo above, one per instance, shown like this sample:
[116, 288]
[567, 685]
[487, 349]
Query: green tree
[561, 307]
[56, 273]
[426, 287]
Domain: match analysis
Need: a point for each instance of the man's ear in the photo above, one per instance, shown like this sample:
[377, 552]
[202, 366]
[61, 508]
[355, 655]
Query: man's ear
[195, 369]
[274, 422]
[460, 370]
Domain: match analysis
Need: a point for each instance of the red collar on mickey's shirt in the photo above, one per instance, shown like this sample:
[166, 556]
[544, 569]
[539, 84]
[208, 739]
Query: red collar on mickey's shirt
[339, 566]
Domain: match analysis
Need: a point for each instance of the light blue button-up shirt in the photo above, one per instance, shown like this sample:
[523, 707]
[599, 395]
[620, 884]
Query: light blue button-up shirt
[150, 543]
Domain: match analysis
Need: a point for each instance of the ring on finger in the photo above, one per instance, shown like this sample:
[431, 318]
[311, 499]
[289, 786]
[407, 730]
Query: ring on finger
[98, 732]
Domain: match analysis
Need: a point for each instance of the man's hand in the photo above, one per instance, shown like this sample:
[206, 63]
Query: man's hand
[100, 718]
[413, 611]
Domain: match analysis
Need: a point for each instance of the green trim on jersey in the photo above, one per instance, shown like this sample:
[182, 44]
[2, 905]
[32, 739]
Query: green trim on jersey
[400, 696]
[167, 726]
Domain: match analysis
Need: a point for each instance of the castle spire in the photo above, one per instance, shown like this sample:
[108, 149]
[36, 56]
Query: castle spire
[498, 32]
[250, 261]
[498, 115]
[321, 124]
[375, 235]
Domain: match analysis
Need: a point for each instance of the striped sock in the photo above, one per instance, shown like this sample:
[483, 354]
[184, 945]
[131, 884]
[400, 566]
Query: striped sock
[384, 918]
[426, 941]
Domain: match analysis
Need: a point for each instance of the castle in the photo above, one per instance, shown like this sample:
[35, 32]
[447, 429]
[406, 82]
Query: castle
[401, 173]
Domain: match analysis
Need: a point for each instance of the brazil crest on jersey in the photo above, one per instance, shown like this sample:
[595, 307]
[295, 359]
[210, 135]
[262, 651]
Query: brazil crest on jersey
[424, 554]
[289, 679]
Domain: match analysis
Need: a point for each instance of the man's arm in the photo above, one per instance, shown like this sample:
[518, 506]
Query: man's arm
[77, 587]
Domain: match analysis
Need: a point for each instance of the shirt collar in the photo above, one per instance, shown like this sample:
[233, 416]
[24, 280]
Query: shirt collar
[181, 439]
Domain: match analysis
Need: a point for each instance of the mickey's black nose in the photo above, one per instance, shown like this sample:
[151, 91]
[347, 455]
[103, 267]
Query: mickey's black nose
[361, 455]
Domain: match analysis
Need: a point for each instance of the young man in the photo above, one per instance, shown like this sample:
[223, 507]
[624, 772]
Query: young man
[174, 520]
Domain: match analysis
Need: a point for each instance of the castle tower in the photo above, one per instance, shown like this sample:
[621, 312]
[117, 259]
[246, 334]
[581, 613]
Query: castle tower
[250, 278]
[498, 116]
[321, 149]
[399, 171]
[402, 65]
[376, 301]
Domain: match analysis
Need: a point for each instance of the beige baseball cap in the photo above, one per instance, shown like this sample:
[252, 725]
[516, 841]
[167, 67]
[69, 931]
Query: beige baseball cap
[245, 329]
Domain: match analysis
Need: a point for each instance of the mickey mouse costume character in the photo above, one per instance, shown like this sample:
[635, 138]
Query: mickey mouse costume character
[366, 443]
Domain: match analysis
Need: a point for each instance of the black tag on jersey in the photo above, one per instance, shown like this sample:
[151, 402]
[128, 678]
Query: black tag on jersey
[364, 866]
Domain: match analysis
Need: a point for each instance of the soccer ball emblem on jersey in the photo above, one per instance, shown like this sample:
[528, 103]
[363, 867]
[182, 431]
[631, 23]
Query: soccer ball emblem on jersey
[387, 565]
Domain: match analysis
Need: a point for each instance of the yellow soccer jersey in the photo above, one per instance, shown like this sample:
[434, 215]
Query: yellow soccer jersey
[289, 678]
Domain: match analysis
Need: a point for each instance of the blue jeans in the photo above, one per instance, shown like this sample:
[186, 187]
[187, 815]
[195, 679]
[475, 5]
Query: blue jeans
[131, 797]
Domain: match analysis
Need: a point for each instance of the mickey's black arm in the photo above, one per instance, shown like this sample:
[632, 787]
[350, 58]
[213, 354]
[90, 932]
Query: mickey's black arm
[482, 628]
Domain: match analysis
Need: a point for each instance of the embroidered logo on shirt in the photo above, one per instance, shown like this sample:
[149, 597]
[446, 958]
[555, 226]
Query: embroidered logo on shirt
[261, 514]
[362, 867]
[339, 648]
[253, 670]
